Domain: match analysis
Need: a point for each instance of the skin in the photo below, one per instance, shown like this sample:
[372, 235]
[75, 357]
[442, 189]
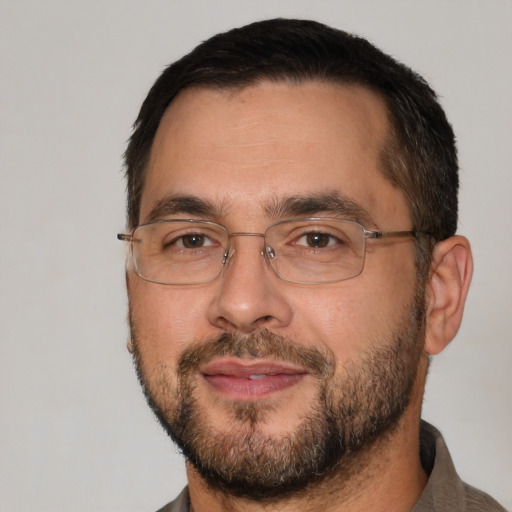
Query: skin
[243, 151]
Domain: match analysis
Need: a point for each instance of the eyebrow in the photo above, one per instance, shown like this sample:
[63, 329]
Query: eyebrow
[330, 203]
[183, 204]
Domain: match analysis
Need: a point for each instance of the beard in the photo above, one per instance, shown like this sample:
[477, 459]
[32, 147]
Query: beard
[355, 405]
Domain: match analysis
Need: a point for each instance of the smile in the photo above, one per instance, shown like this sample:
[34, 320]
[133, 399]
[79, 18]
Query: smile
[250, 380]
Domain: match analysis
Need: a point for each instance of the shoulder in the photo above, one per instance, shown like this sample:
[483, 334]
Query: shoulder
[445, 491]
[477, 501]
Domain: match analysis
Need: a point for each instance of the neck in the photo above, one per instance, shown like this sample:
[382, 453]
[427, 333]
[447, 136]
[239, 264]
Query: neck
[387, 476]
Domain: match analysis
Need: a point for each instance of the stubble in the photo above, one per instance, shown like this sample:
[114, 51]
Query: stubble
[354, 405]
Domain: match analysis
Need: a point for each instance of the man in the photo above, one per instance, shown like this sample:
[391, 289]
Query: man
[292, 200]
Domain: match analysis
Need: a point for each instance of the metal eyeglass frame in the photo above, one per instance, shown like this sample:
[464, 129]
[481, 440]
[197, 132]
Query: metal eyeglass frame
[268, 251]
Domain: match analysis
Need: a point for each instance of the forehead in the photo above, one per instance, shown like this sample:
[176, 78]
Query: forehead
[263, 143]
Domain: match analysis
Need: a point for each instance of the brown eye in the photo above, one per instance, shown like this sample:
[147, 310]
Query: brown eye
[193, 241]
[318, 240]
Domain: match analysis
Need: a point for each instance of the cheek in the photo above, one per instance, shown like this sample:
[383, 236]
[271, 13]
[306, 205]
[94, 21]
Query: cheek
[350, 316]
[335, 317]
[166, 319]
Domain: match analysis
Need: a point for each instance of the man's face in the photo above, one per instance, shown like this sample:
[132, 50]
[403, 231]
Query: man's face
[249, 371]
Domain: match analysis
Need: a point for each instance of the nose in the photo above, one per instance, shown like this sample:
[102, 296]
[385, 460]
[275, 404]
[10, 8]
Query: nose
[250, 296]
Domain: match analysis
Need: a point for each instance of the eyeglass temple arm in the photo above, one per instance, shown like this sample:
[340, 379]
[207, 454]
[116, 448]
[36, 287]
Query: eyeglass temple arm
[393, 234]
[124, 238]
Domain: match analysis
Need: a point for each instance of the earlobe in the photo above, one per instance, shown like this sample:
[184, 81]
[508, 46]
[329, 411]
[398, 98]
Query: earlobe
[446, 291]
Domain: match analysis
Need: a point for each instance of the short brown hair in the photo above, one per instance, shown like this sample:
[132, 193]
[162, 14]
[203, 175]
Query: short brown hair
[419, 158]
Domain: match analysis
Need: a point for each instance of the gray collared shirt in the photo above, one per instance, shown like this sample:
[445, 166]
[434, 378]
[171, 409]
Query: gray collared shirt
[444, 492]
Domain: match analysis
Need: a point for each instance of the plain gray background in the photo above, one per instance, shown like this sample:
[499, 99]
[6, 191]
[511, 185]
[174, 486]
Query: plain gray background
[75, 433]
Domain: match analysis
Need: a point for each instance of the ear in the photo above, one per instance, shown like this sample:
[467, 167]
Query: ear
[447, 288]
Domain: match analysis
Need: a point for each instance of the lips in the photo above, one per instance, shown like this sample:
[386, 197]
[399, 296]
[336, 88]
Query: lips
[246, 379]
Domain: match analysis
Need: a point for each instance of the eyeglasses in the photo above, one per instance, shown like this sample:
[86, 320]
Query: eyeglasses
[304, 251]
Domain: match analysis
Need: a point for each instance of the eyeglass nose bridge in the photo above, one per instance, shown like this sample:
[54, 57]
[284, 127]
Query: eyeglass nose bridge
[267, 251]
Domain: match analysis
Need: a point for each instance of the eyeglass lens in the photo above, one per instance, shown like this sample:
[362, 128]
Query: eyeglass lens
[302, 251]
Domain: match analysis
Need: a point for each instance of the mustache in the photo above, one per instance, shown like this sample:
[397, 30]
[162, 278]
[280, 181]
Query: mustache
[257, 345]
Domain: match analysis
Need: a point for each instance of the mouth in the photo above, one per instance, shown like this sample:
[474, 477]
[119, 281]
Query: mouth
[249, 379]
